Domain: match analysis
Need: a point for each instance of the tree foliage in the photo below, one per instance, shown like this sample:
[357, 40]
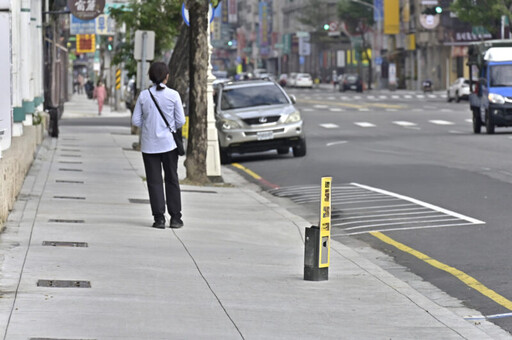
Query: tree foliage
[161, 16]
[486, 13]
[315, 14]
[357, 18]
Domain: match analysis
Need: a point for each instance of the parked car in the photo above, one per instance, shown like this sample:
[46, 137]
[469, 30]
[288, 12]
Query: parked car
[257, 115]
[458, 90]
[304, 80]
[292, 79]
[351, 82]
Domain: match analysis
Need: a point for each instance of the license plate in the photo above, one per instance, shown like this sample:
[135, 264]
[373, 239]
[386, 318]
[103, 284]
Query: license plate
[265, 135]
[353, 87]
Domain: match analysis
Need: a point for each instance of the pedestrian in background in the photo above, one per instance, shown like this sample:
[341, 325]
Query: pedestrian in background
[100, 93]
[80, 79]
[158, 146]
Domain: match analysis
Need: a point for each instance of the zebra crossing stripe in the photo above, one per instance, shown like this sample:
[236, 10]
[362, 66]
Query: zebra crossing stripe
[440, 122]
[403, 123]
[365, 124]
[329, 126]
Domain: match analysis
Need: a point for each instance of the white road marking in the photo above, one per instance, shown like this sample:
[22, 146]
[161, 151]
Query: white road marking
[336, 143]
[364, 109]
[440, 122]
[404, 123]
[357, 97]
[308, 110]
[370, 97]
[420, 96]
[455, 132]
[469, 120]
[364, 124]
[383, 97]
[401, 229]
[408, 96]
[424, 204]
[426, 219]
[331, 98]
[329, 126]
[395, 96]
[391, 110]
[321, 106]
[336, 109]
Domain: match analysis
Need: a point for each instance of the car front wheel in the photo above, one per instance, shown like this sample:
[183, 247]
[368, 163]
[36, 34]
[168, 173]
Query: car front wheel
[225, 156]
[300, 150]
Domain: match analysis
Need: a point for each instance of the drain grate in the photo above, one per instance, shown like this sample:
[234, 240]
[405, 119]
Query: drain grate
[64, 284]
[67, 169]
[58, 339]
[201, 191]
[70, 182]
[138, 200]
[69, 197]
[65, 244]
[70, 162]
[57, 220]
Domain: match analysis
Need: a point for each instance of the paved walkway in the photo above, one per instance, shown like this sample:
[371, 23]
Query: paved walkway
[235, 271]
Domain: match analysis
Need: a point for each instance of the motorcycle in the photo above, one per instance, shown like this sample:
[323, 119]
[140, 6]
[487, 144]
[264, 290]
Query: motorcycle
[427, 86]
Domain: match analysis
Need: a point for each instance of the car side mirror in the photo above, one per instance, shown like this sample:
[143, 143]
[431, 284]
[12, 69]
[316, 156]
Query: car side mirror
[293, 99]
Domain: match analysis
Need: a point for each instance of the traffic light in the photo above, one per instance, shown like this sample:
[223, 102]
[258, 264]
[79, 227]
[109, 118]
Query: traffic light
[326, 27]
[432, 10]
[110, 46]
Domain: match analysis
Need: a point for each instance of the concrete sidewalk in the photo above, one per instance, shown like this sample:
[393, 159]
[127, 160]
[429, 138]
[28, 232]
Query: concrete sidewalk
[235, 271]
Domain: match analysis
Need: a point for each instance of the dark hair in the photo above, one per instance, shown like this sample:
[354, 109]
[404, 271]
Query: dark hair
[157, 73]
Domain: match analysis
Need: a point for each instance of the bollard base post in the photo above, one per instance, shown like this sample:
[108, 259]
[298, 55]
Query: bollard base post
[312, 271]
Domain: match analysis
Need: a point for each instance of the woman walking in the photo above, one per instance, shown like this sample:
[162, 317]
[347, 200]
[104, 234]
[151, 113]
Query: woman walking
[158, 146]
[100, 93]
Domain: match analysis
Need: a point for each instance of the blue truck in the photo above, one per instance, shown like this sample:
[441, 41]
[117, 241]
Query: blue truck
[490, 96]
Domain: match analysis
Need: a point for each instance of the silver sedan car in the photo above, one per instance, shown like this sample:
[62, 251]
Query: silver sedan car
[257, 115]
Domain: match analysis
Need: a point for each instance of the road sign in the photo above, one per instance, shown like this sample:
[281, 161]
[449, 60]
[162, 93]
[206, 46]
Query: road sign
[105, 25]
[78, 26]
[325, 222]
[144, 40]
[185, 15]
[86, 9]
[85, 43]
[302, 34]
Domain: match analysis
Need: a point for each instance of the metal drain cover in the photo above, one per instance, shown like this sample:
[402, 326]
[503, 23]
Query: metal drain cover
[64, 284]
[65, 244]
[138, 200]
[56, 220]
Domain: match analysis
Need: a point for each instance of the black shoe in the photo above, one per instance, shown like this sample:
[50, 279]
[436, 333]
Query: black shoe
[176, 223]
[159, 224]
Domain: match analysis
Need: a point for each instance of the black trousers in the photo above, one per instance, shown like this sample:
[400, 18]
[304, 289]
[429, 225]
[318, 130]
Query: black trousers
[153, 163]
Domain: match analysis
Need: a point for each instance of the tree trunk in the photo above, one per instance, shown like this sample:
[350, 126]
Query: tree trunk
[178, 65]
[198, 107]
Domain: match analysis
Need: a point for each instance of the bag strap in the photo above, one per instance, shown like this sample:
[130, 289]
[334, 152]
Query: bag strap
[159, 110]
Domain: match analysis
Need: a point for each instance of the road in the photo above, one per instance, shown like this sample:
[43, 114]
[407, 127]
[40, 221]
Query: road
[411, 180]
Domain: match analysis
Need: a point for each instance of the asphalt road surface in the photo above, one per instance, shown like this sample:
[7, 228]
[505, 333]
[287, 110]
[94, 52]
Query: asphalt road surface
[407, 167]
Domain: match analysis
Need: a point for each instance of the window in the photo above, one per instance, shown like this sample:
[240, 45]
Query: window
[236, 98]
[501, 75]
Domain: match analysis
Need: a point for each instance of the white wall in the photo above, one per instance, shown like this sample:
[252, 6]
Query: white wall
[5, 85]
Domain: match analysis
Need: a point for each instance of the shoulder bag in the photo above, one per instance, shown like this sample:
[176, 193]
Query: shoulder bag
[178, 139]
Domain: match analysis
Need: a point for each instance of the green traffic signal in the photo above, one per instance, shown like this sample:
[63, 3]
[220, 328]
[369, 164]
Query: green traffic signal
[439, 10]
[326, 27]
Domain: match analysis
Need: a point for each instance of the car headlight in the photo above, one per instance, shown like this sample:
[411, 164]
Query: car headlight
[293, 118]
[227, 124]
[496, 98]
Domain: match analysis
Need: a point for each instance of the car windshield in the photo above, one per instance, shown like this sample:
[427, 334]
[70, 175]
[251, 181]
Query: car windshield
[501, 75]
[351, 78]
[241, 97]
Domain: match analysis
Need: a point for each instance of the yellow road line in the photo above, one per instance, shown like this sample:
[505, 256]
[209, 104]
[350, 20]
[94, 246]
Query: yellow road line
[465, 278]
[248, 171]
[355, 106]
